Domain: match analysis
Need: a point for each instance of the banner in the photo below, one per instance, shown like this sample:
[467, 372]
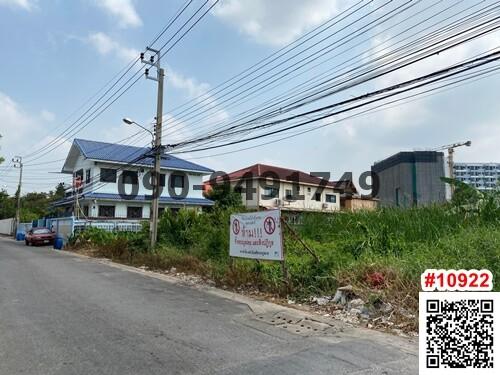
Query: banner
[256, 235]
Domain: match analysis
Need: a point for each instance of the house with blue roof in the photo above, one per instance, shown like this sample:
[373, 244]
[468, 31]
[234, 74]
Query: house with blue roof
[113, 181]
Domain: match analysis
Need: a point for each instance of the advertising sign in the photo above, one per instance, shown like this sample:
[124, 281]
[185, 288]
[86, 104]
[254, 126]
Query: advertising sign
[256, 235]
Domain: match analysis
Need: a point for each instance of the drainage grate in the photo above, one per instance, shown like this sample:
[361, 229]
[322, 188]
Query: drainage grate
[298, 325]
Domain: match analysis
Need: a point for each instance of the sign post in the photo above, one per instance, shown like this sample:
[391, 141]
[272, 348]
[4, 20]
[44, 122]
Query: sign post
[256, 235]
[259, 236]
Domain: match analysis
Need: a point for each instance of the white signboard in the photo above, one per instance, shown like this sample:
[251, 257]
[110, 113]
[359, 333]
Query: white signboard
[256, 235]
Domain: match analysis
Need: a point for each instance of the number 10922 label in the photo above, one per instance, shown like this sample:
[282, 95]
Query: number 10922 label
[453, 280]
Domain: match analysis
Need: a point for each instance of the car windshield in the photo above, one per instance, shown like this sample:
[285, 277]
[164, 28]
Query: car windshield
[41, 231]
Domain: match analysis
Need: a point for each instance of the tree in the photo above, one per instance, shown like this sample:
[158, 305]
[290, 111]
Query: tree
[33, 205]
[55, 196]
[59, 193]
[224, 196]
[7, 206]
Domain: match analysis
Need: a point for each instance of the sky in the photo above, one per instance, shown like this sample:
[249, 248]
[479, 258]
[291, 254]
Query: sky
[56, 55]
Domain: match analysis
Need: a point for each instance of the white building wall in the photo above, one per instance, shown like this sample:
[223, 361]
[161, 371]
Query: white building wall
[307, 204]
[195, 180]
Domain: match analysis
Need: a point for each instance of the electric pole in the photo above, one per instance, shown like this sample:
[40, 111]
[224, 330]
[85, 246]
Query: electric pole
[18, 163]
[158, 149]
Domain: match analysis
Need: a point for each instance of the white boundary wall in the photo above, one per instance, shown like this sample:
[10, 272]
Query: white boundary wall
[7, 226]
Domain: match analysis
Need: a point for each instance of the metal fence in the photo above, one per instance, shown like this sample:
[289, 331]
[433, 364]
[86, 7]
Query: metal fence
[110, 226]
[24, 227]
[63, 226]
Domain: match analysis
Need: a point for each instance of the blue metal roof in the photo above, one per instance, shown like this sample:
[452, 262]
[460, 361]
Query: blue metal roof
[138, 198]
[114, 152]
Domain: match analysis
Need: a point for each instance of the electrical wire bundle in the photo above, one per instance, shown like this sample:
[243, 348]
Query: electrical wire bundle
[324, 77]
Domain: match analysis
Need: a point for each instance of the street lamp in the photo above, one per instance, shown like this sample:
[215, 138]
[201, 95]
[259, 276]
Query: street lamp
[128, 121]
[155, 174]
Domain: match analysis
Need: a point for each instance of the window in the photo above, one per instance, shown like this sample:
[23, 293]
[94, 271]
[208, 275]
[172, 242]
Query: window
[162, 179]
[79, 174]
[87, 176]
[108, 175]
[78, 181]
[317, 197]
[85, 210]
[130, 177]
[331, 198]
[177, 181]
[41, 231]
[297, 189]
[107, 211]
[134, 212]
[271, 192]
[288, 194]
[308, 189]
[161, 211]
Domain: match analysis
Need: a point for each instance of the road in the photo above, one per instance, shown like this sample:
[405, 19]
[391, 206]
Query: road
[63, 314]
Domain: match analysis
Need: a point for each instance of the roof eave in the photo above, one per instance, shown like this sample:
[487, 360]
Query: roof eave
[149, 165]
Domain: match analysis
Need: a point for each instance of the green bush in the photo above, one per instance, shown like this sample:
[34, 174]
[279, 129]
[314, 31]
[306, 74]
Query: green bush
[175, 228]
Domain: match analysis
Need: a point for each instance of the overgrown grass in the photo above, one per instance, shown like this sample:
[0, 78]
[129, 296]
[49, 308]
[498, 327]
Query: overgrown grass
[391, 246]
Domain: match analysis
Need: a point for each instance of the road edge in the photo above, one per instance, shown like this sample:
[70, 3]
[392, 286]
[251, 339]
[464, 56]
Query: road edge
[407, 345]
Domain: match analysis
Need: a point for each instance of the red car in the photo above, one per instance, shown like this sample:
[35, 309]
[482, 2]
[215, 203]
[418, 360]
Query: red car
[40, 236]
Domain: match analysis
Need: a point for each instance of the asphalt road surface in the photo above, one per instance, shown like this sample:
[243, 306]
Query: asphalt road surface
[62, 314]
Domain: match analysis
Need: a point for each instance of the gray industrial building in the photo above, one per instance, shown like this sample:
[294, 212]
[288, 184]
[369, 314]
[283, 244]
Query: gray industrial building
[411, 178]
[482, 176]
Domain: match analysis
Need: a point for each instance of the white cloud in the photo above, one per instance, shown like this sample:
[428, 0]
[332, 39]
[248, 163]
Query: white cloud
[124, 10]
[47, 115]
[199, 91]
[275, 22]
[212, 113]
[440, 61]
[105, 45]
[190, 85]
[14, 122]
[20, 130]
[24, 4]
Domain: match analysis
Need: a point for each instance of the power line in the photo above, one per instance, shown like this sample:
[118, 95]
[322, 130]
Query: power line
[187, 116]
[77, 127]
[268, 106]
[421, 57]
[279, 78]
[434, 77]
[269, 59]
[382, 107]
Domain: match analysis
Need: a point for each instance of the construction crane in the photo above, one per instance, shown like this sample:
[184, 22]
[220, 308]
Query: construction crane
[451, 150]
